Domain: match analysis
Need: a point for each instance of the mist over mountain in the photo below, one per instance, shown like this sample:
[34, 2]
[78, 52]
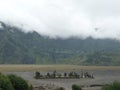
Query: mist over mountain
[98, 19]
[19, 47]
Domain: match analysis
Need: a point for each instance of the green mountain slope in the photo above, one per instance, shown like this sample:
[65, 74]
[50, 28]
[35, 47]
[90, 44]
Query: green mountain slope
[17, 47]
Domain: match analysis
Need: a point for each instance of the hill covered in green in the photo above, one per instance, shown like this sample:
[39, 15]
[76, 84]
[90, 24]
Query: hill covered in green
[18, 47]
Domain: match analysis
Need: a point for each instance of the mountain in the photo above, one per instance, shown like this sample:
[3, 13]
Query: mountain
[18, 47]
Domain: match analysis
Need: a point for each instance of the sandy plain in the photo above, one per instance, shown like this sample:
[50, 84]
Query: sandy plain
[103, 75]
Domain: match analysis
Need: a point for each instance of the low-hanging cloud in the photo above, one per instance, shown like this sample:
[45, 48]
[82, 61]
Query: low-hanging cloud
[64, 18]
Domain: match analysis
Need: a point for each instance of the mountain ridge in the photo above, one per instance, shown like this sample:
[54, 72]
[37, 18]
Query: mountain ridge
[17, 47]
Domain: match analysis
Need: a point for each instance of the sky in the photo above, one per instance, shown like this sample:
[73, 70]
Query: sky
[98, 19]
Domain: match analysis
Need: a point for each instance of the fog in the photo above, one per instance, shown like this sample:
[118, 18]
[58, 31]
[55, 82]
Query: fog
[64, 18]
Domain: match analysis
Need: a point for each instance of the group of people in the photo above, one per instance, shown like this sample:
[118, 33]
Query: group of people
[65, 75]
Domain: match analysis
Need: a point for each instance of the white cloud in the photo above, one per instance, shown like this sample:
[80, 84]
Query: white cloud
[65, 18]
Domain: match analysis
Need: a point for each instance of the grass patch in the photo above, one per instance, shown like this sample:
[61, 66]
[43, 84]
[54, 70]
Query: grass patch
[54, 67]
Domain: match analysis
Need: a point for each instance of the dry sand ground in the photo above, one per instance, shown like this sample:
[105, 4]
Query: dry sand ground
[103, 75]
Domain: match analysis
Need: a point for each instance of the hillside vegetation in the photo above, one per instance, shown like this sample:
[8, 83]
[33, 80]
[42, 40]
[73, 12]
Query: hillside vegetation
[17, 47]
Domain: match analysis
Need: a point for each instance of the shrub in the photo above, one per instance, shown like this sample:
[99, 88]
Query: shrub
[31, 87]
[5, 83]
[60, 88]
[76, 87]
[114, 86]
[18, 82]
